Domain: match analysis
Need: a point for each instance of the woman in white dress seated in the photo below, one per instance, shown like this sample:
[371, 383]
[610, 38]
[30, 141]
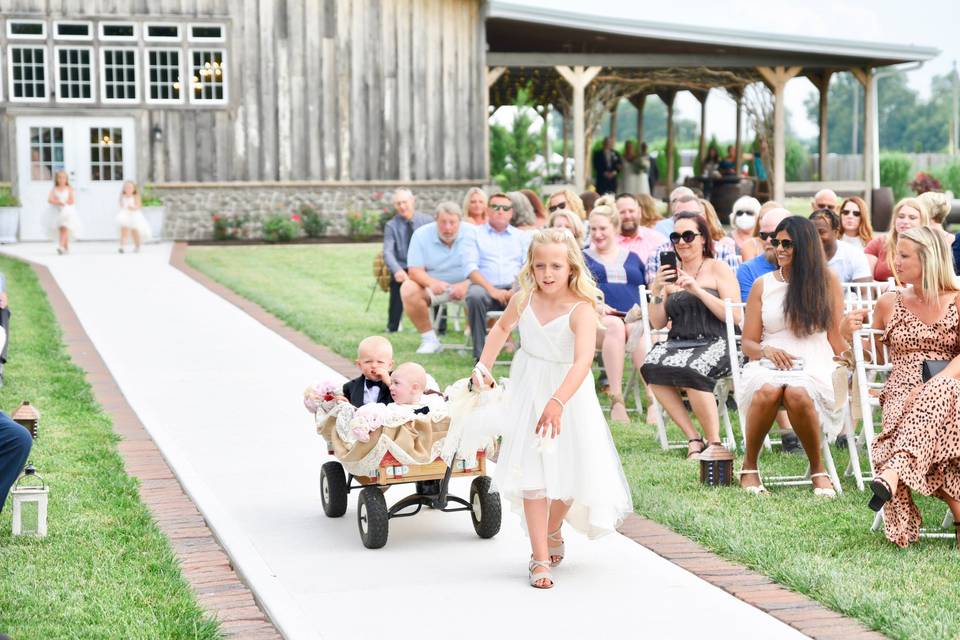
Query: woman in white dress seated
[791, 333]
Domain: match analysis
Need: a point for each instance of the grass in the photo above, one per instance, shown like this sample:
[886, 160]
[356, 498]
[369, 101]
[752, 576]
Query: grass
[104, 570]
[820, 548]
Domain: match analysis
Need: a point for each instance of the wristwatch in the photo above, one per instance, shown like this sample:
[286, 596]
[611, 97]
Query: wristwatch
[657, 299]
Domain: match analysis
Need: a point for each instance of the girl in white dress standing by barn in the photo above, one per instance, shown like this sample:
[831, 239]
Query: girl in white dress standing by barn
[130, 217]
[63, 217]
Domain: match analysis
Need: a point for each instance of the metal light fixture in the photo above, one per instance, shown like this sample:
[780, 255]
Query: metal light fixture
[157, 132]
[27, 416]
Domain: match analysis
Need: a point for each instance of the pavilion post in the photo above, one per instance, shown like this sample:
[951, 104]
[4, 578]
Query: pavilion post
[613, 122]
[822, 82]
[702, 149]
[492, 75]
[668, 95]
[871, 152]
[638, 100]
[777, 78]
[566, 145]
[546, 141]
[738, 145]
[578, 77]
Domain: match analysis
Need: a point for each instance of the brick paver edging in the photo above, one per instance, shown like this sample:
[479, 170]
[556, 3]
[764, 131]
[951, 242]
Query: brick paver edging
[794, 609]
[203, 562]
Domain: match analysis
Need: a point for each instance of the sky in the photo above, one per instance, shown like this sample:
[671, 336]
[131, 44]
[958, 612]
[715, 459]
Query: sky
[929, 23]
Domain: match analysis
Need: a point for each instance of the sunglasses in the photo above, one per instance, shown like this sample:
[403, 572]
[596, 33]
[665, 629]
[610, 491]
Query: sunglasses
[742, 213]
[786, 244]
[851, 212]
[766, 235]
[831, 207]
[501, 207]
[686, 236]
[558, 206]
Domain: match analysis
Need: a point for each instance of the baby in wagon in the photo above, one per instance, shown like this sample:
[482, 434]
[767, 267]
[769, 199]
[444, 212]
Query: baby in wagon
[409, 389]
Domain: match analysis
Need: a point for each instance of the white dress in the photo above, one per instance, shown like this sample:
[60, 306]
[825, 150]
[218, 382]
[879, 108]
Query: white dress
[816, 376]
[581, 464]
[129, 218]
[64, 215]
[635, 181]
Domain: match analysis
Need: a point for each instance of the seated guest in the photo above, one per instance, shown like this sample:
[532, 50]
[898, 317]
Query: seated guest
[791, 333]
[743, 218]
[633, 235]
[15, 444]
[694, 357]
[938, 207]
[881, 251]
[690, 204]
[475, 206]
[524, 217]
[824, 199]
[848, 263]
[665, 226]
[728, 165]
[766, 262]
[492, 258]
[538, 209]
[374, 359]
[435, 269]
[396, 240]
[566, 200]
[752, 248]
[720, 237]
[855, 220]
[568, 220]
[649, 211]
[618, 273]
[918, 448]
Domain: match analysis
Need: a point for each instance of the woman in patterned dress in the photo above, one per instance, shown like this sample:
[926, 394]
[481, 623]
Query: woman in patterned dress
[919, 446]
[694, 357]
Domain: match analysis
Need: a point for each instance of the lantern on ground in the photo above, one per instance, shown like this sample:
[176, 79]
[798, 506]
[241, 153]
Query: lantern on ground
[716, 466]
[30, 504]
[27, 416]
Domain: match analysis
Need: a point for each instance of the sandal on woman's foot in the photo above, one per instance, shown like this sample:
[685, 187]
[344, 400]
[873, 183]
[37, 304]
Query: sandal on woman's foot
[618, 410]
[536, 578]
[694, 454]
[823, 492]
[557, 551]
[882, 493]
[756, 489]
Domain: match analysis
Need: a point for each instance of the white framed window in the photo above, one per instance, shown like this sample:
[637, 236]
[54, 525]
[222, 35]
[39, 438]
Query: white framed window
[206, 32]
[118, 31]
[106, 154]
[73, 69]
[26, 30]
[163, 72]
[72, 30]
[118, 75]
[208, 76]
[46, 153]
[161, 32]
[27, 73]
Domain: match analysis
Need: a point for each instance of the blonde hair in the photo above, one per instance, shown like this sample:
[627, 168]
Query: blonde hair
[865, 230]
[713, 222]
[578, 229]
[649, 212]
[581, 280]
[890, 247]
[466, 202]
[938, 205]
[574, 203]
[766, 206]
[936, 263]
[57, 175]
[606, 206]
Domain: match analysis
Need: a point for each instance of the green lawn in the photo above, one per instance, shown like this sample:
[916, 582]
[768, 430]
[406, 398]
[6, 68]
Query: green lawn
[821, 548]
[105, 570]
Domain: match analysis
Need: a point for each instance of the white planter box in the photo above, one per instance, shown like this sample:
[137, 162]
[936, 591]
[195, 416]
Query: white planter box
[154, 216]
[9, 224]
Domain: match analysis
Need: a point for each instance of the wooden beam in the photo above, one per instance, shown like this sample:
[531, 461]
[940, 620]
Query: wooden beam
[701, 96]
[613, 121]
[668, 96]
[546, 141]
[871, 152]
[777, 78]
[639, 101]
[738, 145]
[656, 60]
[578, 77]
[821, 81]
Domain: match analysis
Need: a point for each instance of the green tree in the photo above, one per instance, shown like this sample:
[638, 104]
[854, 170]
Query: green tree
[513, 149]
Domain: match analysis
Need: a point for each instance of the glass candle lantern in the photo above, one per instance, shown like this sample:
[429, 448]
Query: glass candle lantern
[30, 505]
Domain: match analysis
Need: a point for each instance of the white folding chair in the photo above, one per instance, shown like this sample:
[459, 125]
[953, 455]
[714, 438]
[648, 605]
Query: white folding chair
[864, 295]
[441, 311]
[732, 383]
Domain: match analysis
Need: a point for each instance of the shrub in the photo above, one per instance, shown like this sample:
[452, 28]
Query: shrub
[7, 199]
[895, 173]
[949, 176]
[925, 182]
[364, 223]
[662, 162]
[796, 159]
[314, 225]
[280, 227]
[230, 226]
[149, 199]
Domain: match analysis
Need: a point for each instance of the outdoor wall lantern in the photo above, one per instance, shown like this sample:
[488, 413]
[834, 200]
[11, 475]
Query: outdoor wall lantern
[157, 133]
[716, 467]
[27, 416]
[30, 505]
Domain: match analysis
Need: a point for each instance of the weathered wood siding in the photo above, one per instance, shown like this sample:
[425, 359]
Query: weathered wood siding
[318, 90]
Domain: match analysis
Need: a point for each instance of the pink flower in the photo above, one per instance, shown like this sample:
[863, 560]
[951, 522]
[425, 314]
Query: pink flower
[295, 218]
[216, 218]
[361, 433]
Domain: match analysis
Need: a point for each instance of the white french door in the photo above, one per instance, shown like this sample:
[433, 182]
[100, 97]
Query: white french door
[97, 153]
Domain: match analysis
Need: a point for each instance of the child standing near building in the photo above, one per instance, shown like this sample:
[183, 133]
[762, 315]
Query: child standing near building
[130, 217]
[557, 459]
[64, 221]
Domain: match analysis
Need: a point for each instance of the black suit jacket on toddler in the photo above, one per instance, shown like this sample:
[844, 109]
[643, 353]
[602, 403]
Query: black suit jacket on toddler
[353, 391]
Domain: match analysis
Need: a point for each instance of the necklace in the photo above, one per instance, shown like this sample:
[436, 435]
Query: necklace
[782, 277]
[702, 262]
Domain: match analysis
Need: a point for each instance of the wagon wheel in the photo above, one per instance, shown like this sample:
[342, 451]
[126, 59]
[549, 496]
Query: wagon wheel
[333, 489]
[485, 507]
[373, 519]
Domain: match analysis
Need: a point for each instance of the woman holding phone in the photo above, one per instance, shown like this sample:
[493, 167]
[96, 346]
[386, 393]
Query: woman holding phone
[791, 333]
[688, 293]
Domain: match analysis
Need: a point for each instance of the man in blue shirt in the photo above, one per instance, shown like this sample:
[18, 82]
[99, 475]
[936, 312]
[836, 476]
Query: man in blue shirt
[492, 260]
[396, 239]
[435, 270]
[766, 262]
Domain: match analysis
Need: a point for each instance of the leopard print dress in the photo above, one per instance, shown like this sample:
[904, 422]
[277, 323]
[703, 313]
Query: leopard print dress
[921, 432]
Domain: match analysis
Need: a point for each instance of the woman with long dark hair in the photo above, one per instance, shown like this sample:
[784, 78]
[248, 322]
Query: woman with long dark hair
[791, 333]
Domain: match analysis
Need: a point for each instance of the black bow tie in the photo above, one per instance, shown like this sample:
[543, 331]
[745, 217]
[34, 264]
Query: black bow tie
[422, 410]
[370, 384]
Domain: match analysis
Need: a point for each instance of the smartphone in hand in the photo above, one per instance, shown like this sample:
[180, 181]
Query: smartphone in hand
[669, 258]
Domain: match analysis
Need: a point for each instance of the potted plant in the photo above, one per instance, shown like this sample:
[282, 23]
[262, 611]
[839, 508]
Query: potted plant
[9, 216]
[153, 211]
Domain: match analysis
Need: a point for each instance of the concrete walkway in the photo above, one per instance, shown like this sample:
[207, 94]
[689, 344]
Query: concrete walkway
[220, 395]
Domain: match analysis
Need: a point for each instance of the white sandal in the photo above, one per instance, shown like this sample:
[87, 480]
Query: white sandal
[557, 551]
[823, 492]
[543, 575]
[755, 489]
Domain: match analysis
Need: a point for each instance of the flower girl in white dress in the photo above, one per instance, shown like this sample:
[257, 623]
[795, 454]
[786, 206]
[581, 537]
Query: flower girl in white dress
[63, 219]
[557, 458]
[130, 217]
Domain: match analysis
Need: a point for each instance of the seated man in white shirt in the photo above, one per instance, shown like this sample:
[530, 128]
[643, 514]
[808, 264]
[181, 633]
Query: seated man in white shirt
[492, 260]
[847, 261]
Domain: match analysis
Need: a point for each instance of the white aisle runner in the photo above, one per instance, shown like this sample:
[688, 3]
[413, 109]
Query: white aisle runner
[221, 396]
